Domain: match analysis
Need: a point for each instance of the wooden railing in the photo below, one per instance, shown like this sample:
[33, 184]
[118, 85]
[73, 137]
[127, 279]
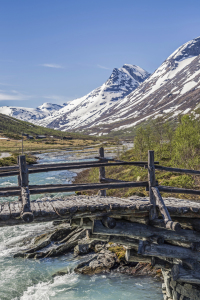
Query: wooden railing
[23, 190]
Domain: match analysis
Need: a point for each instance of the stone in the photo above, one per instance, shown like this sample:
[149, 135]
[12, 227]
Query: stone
[81, 249]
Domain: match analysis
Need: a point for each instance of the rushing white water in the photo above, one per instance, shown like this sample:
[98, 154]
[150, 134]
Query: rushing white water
[29, 279]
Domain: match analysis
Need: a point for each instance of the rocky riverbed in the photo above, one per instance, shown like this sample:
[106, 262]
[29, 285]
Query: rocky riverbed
[100, 256]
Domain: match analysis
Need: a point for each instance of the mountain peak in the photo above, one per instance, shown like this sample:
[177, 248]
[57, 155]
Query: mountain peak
[189, 49]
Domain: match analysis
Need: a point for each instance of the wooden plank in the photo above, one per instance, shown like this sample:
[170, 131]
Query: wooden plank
[78, 166]
[164, 211]
[170, 251]
[26, 214]
[141, 231]
[43, 210]
[15, 209]
[152, 183]
[177, 170]
[5, 212]
[170, 189]
[23, 170]
[109, 180]
[35, 166]
[94, 186]
[102, 172]
[35, 208]
[49, 207]
[59, 208]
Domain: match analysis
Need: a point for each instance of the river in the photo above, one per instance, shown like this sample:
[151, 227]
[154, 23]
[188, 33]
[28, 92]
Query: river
[29, 279]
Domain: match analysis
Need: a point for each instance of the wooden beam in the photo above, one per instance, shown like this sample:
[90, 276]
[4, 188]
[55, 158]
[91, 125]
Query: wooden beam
[132, 256]
[109, 180]
[102, 172]
[152, 183]
[170, 189]
[108, 222]
[41, 189]
[170, 251]
[185, 275]
[38, 166]
[164, 211]
[26, 213]
[177, 170]
[141, 231]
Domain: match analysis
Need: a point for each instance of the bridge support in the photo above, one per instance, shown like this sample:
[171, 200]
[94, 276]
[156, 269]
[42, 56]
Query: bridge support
[26, 213]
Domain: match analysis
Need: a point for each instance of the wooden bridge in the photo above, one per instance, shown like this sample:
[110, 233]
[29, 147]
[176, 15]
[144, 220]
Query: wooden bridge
[165, 232]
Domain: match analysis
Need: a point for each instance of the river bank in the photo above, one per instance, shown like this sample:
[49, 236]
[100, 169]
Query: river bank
[32, 279]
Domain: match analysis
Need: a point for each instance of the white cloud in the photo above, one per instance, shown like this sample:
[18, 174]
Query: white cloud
[13, 95]
[102, 67]
[55, 66]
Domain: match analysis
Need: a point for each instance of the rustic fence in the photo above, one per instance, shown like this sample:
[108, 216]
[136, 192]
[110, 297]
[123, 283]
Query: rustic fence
[23, 190]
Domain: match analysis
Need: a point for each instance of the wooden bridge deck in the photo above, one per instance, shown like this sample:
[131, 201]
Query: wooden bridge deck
[72, 207]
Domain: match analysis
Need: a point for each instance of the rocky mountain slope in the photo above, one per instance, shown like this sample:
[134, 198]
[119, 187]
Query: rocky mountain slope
[86, 110]
[30, 114]
[172, 89]
[128, 97]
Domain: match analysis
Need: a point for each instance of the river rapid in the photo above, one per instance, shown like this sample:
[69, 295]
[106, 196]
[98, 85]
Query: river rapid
[29, 279]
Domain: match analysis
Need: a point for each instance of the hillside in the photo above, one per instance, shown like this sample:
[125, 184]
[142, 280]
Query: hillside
[12, 127]
[87, 110]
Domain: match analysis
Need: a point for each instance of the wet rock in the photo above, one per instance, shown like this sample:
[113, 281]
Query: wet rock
[81, 249]
[102, 262]
[67, 238]
[99, 247]
[63, 272]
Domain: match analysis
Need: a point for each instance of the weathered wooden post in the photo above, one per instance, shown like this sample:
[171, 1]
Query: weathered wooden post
[152, 183]
[26, 213]
[102, 173]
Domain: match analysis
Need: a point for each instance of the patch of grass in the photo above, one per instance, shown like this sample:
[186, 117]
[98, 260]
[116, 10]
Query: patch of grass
[120, 251]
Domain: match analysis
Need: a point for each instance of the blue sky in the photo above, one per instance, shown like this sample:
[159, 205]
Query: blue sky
[58, 50]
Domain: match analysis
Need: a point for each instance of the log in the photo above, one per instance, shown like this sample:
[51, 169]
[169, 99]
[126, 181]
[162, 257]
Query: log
[170, 189]
[177, 170]
[185, 275]
[23, 171]
[141, 231]
[160, 263]
[109, 180]
[164, 211]
[38, 166]
[82, 166]
[152, 183]
[108, 222]
[133, 243]
[170, 252]
[102, 172]
[81, 222]
[42, 189]
[26, 213]
[132, 256]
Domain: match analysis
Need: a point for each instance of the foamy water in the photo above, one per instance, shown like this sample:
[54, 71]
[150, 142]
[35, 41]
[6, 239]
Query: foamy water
[29, 279]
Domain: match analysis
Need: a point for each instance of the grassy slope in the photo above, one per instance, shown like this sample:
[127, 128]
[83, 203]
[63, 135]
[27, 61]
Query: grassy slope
[13, 128]
[132, 173]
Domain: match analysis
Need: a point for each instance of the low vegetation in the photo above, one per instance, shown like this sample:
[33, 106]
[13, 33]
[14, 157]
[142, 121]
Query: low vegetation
[174, 145]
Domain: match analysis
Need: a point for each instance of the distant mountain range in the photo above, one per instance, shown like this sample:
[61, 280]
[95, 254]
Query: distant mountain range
[130, 95]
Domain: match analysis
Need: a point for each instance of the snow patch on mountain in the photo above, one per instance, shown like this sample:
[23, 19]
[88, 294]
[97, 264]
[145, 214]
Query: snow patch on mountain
[86, 110]
[30, 114]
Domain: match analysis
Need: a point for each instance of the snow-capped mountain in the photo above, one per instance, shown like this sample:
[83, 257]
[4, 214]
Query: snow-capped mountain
[85, 111]
[128, 97]
[172, 89]
[30, 114]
